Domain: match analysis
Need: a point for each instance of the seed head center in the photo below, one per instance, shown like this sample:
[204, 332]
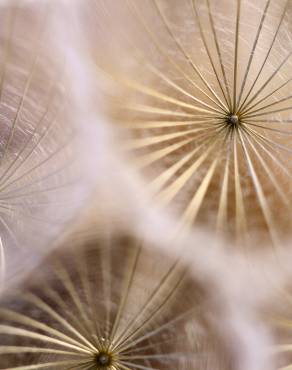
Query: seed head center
[233, 120]
[103, 360]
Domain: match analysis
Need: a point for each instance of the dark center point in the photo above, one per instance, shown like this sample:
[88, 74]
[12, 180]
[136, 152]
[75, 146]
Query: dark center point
[103, 360]
[233, 120]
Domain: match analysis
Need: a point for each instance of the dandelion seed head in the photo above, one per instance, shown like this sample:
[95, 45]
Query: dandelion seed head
[109, 305]
[202, 90]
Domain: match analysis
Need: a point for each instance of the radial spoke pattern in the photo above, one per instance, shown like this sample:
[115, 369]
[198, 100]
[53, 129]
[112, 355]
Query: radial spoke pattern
[206, 99]
[38, 170]
[97, 306]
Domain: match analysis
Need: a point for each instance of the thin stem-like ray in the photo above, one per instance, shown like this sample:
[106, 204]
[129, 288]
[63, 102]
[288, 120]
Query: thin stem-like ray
[188, 57]
[197, 17]
[30, 138]
[128, 285]
[250, 108]
[171, 191]
[191, 212]
[238, 2]
[153, 314]
[47, 365]
[21, 349]
[170, 60]
[149, 334]
[156, 356]
[251, 115]
[253, 50]
[25, 320]
[166, 79]
[174, 85]
[244, 105]
[272, 143]
[260, 193]
[65, 306]
[223, 201]
[240, 218]
[142, 108]
[83, 272]
[10, 193]
[267, 82]
[37, 166]
[68, 284]
[121, 338]
[152, 157]
[157, 184]
[39, 303]
[166, 98]
[268, 171]
[25, 91]
[268, 105]
[264, 145]
[272, 120]
[152, 345]
[282, 132]
[142, 142]
[140, 125]
[219, 53]
[10, 330]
